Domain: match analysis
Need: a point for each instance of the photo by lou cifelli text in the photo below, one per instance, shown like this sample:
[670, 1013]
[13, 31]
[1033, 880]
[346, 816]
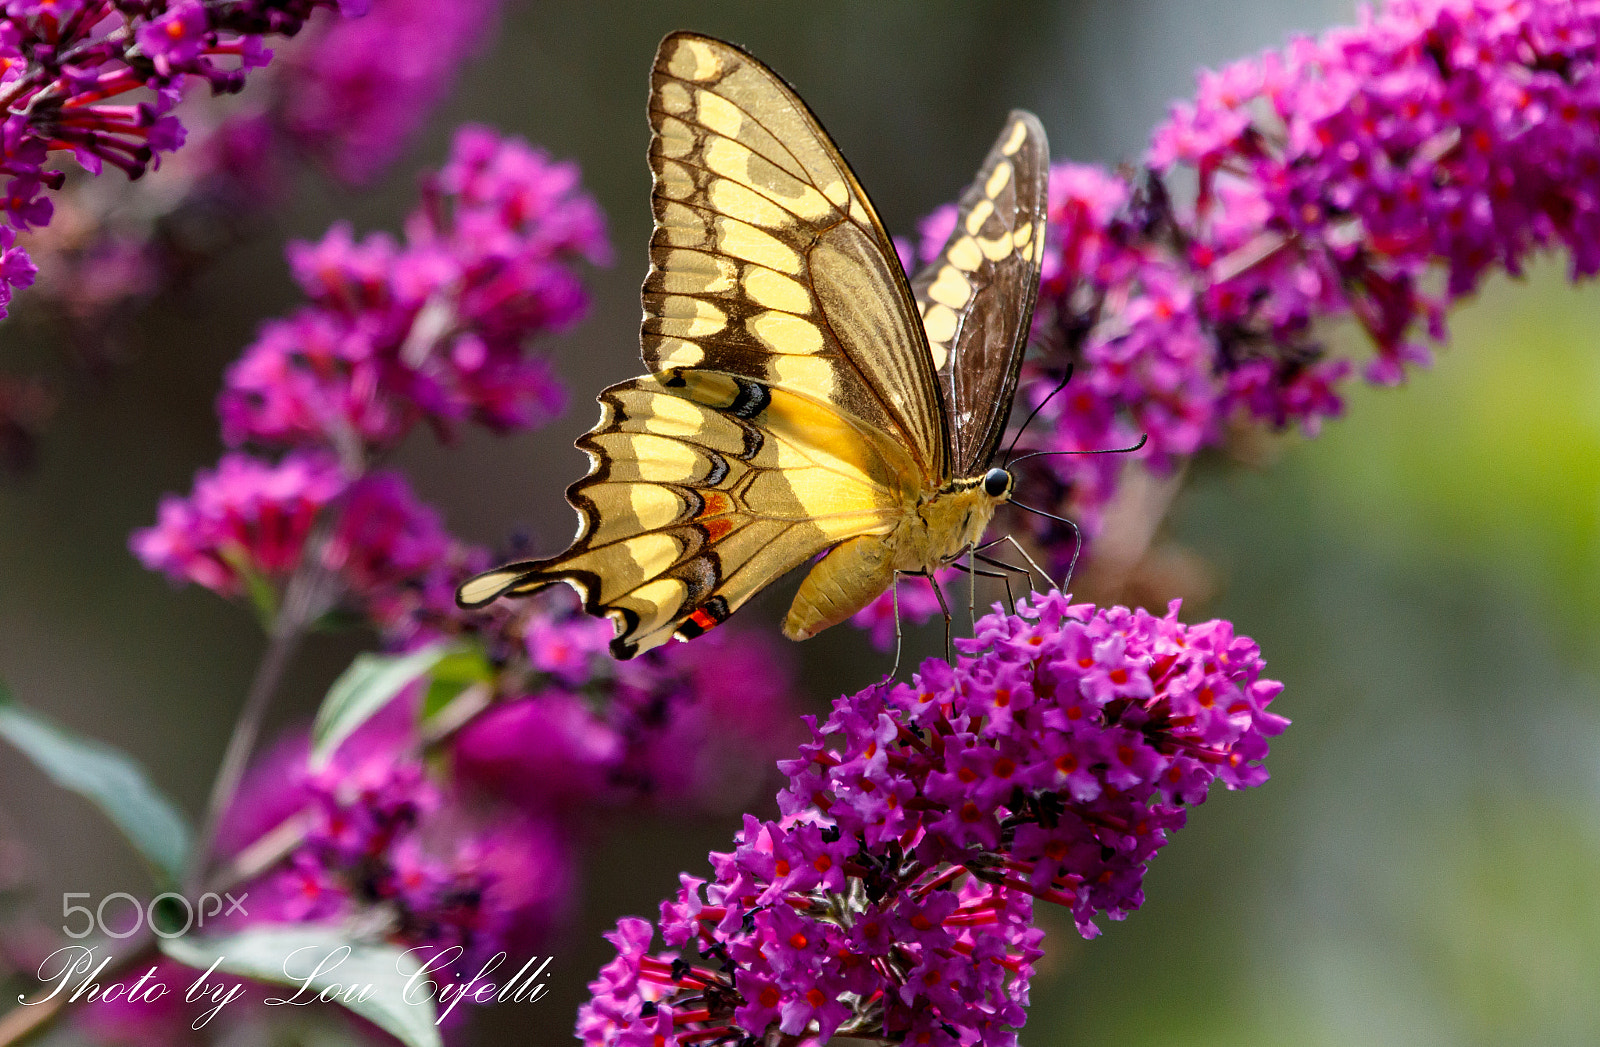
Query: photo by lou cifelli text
[310, 975]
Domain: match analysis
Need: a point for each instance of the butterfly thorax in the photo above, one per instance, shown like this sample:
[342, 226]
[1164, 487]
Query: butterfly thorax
[945, 525]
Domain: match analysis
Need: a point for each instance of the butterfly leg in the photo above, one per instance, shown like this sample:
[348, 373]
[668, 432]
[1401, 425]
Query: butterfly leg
[894, 596]
[1077, 547]
[972, 592]
[949, 651]
[1042, 573]
[974, 573]
[1011, 600]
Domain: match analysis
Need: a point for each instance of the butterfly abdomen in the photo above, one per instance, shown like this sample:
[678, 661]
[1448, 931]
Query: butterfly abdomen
[859, 569]
[854, 574]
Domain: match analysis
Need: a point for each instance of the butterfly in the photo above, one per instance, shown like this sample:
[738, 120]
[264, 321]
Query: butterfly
[805, 397]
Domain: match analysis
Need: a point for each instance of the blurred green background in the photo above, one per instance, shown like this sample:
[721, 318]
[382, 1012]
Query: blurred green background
[1423, 577]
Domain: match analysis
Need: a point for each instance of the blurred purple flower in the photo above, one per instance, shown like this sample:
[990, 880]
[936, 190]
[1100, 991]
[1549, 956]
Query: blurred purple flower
[479, 850]
[350, 94]
[436, 327]
[247, 519]
[893, 901]
[359, 89]
[693, 725]
[1332, 178]
[429, 864]
[917, 603]
[62, 62]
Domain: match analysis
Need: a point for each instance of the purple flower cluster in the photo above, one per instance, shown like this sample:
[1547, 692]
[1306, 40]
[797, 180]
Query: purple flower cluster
[435, 327]
[386, 843]
[244, 529]
[1344, 176]
[893, 900]
[346, 93]
[63, 62]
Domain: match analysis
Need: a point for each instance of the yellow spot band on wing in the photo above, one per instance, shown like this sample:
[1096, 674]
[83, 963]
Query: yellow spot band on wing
[685, 317]
[1019, 132]
[753, 245]
[814, 374]
[655, 458]
[951, 288]
[731, 197]
[995, 249]
[964, 254]
[998, 180]
[940, 323]
[768, 288]
[654, 506]
[718, 114]
[979, 215]
[785, 333]
[678, 352]
[693, 60]
[696, 272]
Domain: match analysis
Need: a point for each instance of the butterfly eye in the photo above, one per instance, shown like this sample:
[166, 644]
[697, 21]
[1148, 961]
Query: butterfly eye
[996, 483]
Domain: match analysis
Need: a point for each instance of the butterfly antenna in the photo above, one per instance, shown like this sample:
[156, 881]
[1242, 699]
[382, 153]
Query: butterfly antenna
[1106, 450]
[1032, 415]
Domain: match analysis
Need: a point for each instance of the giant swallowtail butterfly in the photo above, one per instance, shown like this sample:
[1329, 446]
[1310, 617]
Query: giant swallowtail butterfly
[804, 396]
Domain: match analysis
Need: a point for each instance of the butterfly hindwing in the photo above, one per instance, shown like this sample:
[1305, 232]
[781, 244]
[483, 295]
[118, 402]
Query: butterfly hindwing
[976, 297]
[703, 488]
[768, 261]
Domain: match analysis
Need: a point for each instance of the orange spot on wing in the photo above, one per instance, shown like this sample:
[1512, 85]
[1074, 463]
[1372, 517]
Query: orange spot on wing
[717, 529]
[717, 504]
[702, 619]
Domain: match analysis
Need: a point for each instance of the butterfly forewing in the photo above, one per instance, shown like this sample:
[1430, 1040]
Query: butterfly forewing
[768, 261]
[976, 297]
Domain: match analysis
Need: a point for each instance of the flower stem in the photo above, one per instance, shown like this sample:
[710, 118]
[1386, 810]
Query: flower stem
[306, 597]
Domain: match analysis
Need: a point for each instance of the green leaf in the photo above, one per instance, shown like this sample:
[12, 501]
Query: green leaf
[289, 955]
[109, 779]
[455, 673]
[361, 690]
